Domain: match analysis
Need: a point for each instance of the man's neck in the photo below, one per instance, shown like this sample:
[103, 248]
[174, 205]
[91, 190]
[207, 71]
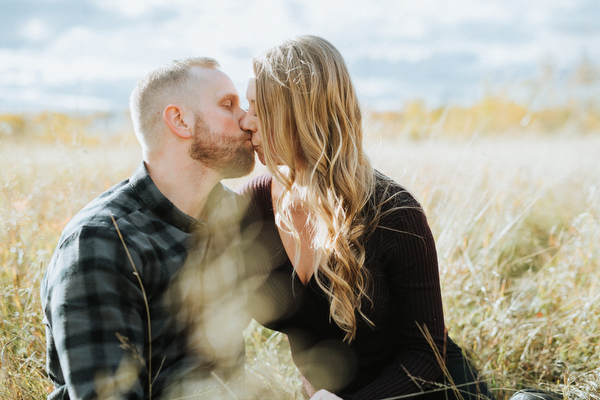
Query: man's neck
[186, 184]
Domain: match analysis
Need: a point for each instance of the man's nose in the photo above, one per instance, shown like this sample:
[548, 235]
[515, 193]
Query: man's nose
[240, 114]
[248, 123]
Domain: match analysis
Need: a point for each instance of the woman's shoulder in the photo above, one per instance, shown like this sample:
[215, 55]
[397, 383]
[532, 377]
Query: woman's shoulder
[256, 196]
[389, 194]
[256, 186]
[395, 208]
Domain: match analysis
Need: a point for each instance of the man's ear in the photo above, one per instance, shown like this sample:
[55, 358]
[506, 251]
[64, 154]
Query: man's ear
[174, 118]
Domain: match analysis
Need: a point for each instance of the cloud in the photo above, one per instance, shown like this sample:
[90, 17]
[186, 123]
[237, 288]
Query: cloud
[27, 21]
[431, 48]
[514, 33]
[39, 99]
[439, 78]
[582, 20]
[440, 66]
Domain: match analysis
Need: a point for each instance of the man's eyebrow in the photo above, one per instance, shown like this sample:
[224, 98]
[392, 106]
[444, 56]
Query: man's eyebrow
[230, 96]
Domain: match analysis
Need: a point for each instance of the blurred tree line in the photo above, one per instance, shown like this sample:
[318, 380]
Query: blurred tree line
[546, 105]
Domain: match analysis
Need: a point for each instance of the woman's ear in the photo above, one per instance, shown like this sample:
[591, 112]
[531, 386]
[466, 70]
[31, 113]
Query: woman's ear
[174, 118]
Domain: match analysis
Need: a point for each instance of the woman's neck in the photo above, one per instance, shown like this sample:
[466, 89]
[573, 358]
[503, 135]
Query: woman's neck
[302, 256]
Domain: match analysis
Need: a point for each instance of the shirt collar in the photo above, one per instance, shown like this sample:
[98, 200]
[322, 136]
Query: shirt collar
[142, 184]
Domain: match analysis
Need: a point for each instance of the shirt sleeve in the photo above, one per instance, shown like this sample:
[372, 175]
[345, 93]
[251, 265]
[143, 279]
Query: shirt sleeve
[411, 268]
[96, 317]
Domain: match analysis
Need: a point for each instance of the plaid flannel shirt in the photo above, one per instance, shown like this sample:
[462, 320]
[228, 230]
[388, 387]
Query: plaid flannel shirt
[96, 305]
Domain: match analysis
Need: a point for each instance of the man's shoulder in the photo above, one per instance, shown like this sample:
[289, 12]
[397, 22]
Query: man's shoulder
[228, 194]
[116, 202]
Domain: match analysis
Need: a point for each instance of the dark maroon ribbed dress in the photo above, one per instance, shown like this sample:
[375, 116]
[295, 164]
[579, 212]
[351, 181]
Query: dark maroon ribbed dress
[392, 358]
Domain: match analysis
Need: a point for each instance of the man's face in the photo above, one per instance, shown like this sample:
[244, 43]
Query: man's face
[218, 141]
[251, 123]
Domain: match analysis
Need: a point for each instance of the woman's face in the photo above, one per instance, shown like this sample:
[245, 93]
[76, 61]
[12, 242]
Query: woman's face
[250, 121]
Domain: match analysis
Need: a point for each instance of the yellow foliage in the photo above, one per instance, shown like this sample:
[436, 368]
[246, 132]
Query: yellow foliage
[493, 115]
[49, 127]
[12, 124]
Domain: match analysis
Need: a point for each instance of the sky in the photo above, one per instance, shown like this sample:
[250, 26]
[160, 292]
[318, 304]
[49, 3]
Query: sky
[87, 55]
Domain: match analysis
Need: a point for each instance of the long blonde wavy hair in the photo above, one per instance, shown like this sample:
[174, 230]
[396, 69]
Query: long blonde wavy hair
[311, 123]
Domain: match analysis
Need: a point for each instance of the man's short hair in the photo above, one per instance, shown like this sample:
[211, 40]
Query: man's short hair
[160, 87]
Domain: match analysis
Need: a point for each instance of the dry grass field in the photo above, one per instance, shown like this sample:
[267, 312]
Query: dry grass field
[515, 214]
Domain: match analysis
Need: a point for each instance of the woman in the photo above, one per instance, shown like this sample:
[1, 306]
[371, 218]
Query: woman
[348, 262]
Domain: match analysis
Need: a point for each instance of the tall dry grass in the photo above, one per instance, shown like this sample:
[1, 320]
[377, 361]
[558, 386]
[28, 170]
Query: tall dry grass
[517, 227]
[516, 220]
[41, 187]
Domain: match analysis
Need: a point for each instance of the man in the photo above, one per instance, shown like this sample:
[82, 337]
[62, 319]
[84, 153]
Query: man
[115, 326]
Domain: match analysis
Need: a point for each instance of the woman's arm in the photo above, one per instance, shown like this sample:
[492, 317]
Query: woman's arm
[410, 266]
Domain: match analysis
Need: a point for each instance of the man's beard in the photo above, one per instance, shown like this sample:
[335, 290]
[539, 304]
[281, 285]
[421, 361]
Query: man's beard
[230, 157]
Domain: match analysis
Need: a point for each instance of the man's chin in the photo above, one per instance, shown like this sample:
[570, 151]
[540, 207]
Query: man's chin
[240, 168]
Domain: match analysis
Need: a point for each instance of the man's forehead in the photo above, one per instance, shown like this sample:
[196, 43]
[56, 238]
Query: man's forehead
[214, 83]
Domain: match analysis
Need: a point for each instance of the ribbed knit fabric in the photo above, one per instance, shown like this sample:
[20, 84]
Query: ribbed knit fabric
[393, 358]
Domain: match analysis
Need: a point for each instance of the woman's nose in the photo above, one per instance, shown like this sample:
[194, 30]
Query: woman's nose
[256, 138]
